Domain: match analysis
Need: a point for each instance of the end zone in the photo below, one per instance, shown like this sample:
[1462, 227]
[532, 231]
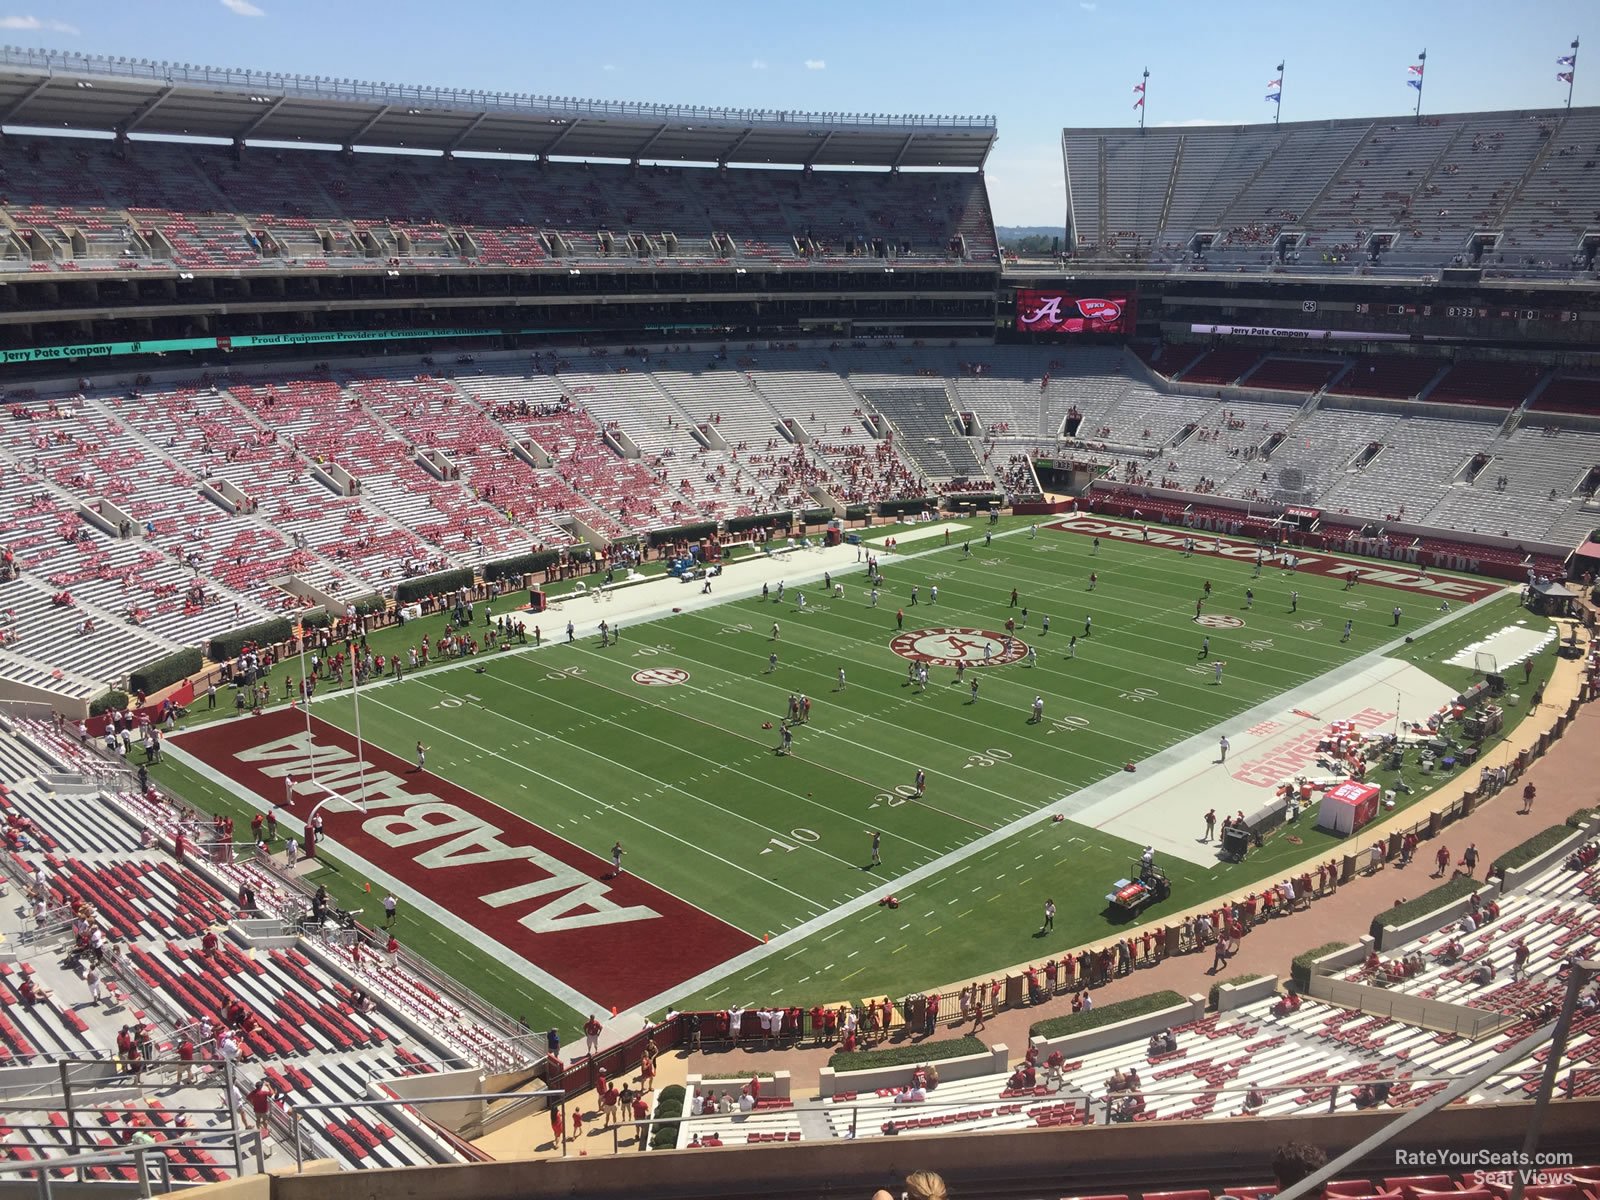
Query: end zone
[1452, 588]
[556, 912]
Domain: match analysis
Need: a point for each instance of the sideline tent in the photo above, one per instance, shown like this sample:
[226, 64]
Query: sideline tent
[1349, 806]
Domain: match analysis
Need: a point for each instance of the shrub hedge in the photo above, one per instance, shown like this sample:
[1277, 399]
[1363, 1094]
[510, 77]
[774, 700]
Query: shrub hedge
[1300, 967]
[1108, 1014]
[1447, 892]
[894, 508]
[668, 1105]
[225, 646]
[909, 1055]
[165, 671]
[432, 585]
[519, 565]
[1532, 848]
[112, 701]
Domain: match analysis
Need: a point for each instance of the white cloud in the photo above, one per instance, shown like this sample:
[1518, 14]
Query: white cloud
[34, 23]
[609, 67]
[758, 64]
[816, 64]
[242, 8]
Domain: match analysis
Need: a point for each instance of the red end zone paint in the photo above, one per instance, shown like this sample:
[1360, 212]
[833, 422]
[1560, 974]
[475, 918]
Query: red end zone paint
[617, 941]
[1448, 587]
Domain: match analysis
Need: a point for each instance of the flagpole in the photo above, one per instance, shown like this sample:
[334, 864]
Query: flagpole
[1421, 79]
[1278, 115]
[1572, 73]
[1144, 98]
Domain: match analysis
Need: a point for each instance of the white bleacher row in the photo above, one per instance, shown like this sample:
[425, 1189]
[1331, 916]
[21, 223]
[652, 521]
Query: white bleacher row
[44, 638]
[301, 209]
[1553, 914]
[1431, 184]
[151, 455]
[1420, 457]
[89, 826]
[1316, 453]
[86, 450]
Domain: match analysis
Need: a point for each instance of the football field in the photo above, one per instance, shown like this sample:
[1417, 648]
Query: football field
[747, 873]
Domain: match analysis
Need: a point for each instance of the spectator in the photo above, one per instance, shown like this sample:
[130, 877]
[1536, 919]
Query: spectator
[1293, 1161]
[920, 1185]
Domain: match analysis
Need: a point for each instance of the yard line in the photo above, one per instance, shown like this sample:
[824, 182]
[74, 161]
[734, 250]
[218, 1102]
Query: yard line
[793, 795]
[853, 974]
[851, 955]
[834, 934]
[933, 931]
[884, 938]
[856, 747]
[753, 974]
[897, 950]
[550, 779]
[907, 925]
[622, 766]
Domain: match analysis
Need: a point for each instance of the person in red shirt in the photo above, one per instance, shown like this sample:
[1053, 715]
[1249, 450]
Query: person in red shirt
[577, 1122]
[392, 949]
[641, 1112]
[260, 1103]
[558, 1126]
[186, 1057]
[591, 1031]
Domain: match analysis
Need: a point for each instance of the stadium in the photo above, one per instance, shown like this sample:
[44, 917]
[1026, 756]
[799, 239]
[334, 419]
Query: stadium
[555, 647]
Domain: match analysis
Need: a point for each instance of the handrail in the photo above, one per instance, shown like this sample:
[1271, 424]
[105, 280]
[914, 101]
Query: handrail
[317, 87]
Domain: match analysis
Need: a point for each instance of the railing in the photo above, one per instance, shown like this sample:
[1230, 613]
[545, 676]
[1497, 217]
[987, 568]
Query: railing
[321, 88]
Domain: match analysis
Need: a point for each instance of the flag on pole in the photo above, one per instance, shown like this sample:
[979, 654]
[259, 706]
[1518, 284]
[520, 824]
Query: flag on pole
[1416, 68]
[1277, 83]
[1138, 87]
[1139, 103]
[1416, 83]
[1567, 60]
[1564, 76]
[1275, 97]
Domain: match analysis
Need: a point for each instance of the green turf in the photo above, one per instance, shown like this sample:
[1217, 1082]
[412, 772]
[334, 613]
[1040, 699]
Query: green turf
[686, 776]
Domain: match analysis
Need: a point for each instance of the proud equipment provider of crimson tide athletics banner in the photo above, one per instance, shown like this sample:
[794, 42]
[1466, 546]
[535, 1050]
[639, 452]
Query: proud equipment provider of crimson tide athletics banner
[1057, 312]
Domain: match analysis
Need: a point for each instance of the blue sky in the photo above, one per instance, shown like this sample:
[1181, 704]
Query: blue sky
[1035, 68]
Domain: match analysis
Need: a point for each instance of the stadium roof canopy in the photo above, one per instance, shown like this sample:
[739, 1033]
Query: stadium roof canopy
[54, 90]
